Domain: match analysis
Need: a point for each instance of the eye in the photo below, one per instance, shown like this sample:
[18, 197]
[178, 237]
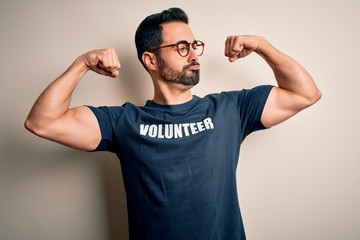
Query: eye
[195, 45]
[183, 47]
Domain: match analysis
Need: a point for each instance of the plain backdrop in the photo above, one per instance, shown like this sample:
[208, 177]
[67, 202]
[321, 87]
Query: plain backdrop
[298, 180]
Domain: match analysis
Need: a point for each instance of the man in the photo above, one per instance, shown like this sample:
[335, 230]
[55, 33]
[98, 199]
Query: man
[178, 152]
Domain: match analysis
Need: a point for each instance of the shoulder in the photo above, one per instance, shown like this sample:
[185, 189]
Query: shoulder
[116, 112]
[112, 111]
[240, 95]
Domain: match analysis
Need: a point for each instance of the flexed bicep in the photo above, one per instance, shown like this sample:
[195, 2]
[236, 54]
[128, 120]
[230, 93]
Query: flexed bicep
[51, 117]
[281, 105]
[78, 128]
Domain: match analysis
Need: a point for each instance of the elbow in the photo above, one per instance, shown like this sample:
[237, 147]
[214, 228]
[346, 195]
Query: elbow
[313, 98]
[32, 127]
[29, 125]
[316, 96]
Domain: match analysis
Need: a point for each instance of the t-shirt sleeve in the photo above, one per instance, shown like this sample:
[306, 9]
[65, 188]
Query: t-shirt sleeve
[250, 103]
[107, 117]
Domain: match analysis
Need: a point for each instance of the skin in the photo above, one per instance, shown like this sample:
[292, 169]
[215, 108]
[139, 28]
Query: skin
[77, 127]
[168, 92]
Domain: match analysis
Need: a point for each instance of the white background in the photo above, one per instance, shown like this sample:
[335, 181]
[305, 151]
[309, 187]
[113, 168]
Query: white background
[299, 180]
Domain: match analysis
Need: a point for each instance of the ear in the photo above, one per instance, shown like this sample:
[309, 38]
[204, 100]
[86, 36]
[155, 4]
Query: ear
[149, 59]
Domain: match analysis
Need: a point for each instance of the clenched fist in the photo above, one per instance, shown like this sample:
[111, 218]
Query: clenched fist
[241, 46]
[103, 61]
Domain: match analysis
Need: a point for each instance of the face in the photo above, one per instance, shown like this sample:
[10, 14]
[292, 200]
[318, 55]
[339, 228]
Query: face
[186, 77]
[173, 67]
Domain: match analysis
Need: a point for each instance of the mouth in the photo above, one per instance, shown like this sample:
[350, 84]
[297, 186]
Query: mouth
[193, 66]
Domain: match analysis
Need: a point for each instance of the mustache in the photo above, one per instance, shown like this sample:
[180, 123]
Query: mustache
[194, 63]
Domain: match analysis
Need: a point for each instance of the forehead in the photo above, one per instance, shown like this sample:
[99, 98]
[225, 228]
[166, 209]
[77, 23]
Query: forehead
[176, 31]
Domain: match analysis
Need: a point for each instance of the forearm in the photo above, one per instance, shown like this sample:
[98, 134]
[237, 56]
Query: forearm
[55, 100]
[289, 74]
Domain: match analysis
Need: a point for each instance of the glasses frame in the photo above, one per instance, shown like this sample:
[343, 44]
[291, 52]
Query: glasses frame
[194, 44]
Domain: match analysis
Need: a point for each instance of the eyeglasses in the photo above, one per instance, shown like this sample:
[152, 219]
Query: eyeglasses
[183, 47]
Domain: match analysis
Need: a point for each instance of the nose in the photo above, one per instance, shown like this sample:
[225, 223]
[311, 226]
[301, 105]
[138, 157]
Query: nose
[192, 55]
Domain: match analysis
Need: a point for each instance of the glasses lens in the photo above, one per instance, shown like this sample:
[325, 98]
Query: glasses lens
[198, 47]
[183, 48]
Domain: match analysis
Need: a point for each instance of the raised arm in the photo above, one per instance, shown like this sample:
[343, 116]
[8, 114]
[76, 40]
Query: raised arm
[51, 117]
[296, 89]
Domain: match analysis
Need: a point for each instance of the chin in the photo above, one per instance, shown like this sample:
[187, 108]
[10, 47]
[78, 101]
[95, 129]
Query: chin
[189, 82]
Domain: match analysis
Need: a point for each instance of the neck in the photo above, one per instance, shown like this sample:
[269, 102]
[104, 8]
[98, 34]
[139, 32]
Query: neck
[171, 94]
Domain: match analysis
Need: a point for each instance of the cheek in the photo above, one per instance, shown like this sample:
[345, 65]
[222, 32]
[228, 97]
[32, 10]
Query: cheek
[176, 63]
[177, 66]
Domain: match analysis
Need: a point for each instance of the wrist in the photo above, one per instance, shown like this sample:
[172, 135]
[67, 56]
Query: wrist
[80, 65]
[262, 45]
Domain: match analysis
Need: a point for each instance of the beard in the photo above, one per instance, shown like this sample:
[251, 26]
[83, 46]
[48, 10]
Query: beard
[184, 77]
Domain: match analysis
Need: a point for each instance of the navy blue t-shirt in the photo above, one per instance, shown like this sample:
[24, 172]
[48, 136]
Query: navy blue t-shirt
[179, 163]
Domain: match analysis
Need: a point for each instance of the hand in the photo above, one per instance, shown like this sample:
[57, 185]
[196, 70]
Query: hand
[104, 62]
[241, 46]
